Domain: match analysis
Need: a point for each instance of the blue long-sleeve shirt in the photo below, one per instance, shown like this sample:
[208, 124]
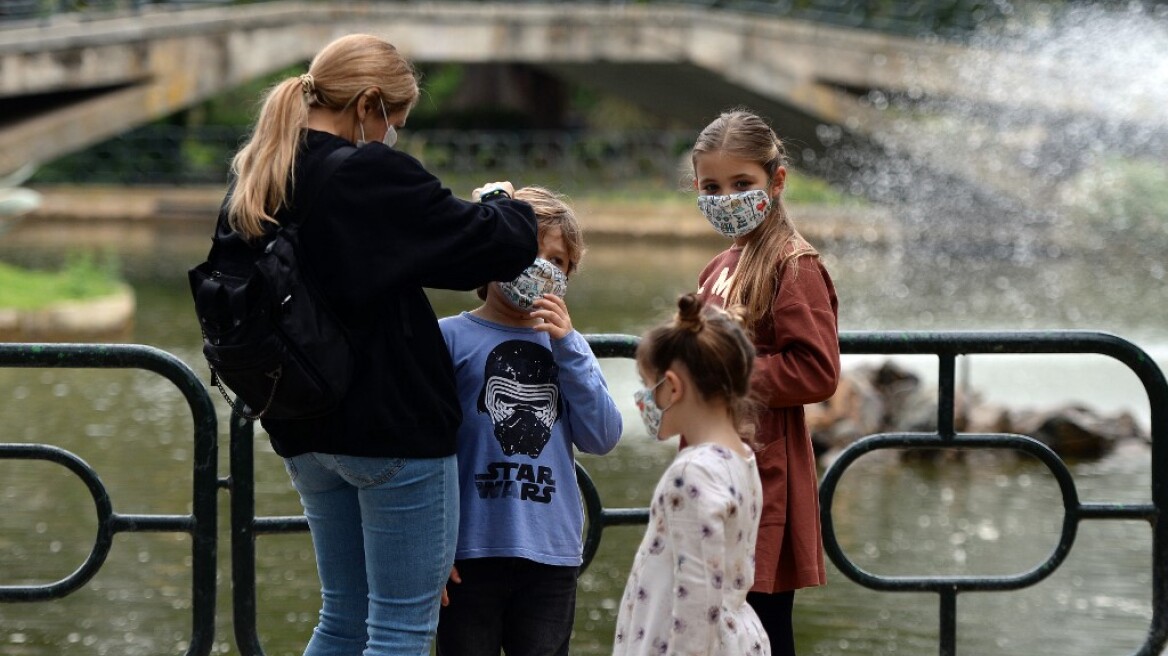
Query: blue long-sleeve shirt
[527, 402]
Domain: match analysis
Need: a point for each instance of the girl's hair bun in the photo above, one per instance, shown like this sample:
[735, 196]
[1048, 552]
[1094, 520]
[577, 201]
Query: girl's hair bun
[713, 346]
[689, 313]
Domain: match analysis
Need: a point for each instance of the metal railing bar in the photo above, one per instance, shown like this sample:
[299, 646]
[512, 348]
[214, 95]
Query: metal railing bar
[625, 516]
[1124, 511]
[946, 411]
[102, 541]
[243, 535]
[289, 524]
[152, 523]
[948, 622]
[613, 345]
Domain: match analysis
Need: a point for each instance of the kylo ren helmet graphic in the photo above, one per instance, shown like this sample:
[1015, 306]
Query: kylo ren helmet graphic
[521, 393]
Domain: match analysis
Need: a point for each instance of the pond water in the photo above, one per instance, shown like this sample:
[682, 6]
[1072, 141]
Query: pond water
[981, 516]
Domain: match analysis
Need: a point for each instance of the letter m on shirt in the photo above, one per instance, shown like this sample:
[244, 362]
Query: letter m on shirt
[722, 284]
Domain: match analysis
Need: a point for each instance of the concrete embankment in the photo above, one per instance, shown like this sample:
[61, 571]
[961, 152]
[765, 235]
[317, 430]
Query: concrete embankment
[619, 217]
[105, 319]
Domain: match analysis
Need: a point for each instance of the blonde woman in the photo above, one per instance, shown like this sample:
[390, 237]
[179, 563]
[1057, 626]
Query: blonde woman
[377, 477]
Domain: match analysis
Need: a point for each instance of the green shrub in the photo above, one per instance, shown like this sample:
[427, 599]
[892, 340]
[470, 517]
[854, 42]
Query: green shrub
[804, 190]
[82, 277]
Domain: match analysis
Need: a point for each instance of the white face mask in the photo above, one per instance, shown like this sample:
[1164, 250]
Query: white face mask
[735, 215]
[542, 277]
[390, 138]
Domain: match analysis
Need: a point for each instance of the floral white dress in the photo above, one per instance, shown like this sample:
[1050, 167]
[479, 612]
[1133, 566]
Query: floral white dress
[686, 593]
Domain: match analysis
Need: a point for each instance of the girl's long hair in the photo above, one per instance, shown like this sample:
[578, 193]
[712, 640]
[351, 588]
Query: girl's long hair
[264, 168]
[744, 135]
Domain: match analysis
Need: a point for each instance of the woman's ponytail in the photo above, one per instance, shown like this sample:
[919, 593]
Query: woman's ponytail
[264, 166]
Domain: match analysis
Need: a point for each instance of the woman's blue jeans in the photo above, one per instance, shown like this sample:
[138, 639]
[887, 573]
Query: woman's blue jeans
[384, 531]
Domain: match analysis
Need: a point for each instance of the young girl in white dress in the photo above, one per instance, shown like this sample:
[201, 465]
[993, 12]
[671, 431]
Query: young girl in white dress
[686, 593]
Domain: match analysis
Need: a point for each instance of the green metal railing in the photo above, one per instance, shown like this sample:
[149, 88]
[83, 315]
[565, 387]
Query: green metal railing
[200, 524]
[946, 346]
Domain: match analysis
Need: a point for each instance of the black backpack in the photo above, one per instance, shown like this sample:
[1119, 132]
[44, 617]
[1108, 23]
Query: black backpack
[267, 333]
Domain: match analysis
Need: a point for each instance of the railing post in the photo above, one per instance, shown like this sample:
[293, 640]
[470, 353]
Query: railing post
[948, 619]
[243, 537]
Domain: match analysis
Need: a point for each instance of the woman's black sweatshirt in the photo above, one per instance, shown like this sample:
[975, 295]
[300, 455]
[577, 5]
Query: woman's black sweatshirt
[381, 229]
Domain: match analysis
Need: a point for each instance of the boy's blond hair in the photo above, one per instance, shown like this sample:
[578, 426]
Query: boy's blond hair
[551, 211]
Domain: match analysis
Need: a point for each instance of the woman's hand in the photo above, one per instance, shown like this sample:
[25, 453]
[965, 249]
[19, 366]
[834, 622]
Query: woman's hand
[554, 312]
[503, 185]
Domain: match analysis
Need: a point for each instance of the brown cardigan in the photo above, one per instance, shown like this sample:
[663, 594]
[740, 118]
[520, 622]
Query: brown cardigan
[798, 363]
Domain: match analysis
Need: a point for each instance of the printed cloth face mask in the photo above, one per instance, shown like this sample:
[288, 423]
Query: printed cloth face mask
[650, 413]
[542, 277]
[735, 215]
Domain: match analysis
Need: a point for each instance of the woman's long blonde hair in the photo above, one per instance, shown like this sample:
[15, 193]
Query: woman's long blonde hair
[744, 135]
[264, 168]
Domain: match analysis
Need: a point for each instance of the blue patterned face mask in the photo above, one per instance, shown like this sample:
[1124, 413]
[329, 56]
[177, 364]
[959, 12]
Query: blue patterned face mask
[735, 215]
[542, 277]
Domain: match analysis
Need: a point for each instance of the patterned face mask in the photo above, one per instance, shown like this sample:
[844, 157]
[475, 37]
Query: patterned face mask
[542, 277]
[650, 413]
[735, 215]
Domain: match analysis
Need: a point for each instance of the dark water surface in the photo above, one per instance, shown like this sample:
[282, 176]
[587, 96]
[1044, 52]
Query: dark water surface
[982, 516]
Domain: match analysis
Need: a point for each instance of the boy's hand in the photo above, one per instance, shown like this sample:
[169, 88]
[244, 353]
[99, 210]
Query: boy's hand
[454, 578]
[554, 312]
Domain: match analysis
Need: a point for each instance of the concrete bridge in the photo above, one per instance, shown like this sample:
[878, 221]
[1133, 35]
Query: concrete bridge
[66, 83]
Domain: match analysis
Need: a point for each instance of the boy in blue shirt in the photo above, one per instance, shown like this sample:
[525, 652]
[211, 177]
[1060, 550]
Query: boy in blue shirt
[531, 391]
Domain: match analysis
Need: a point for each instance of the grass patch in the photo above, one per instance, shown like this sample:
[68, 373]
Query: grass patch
[82, 277]
[804, 190]
[800, 190]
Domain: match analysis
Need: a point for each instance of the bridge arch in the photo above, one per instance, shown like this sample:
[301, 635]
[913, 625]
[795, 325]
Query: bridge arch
[66, 84]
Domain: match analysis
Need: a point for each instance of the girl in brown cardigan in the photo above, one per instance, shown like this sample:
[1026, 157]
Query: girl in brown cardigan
[791, 308]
